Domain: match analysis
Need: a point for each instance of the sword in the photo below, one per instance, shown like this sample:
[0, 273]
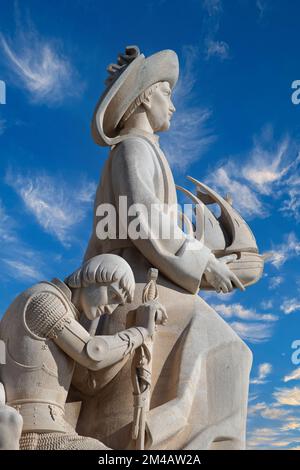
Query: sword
[141, 371]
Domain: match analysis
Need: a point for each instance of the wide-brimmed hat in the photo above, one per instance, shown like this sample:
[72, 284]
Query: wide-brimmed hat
[130, 77]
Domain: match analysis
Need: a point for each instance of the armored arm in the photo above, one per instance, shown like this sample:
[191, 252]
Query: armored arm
[98, 352]
[48, 316]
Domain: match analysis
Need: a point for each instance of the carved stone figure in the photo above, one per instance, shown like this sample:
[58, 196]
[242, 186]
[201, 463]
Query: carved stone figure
[44, 340]
[200, 366]
[10, 424]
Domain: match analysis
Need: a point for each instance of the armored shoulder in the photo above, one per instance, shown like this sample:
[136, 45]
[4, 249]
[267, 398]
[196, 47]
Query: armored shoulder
[45, 314]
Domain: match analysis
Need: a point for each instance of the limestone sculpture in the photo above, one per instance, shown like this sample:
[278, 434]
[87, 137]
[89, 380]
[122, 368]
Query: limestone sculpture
[200, 367]
[186, 387]
[44, 340]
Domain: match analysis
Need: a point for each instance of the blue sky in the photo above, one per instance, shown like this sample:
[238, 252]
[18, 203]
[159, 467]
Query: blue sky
[235, 128]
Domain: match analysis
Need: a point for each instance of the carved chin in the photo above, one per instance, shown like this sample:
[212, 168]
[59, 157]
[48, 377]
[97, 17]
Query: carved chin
[165, 126]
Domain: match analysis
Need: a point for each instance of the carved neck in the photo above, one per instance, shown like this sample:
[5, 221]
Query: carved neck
[138, 121]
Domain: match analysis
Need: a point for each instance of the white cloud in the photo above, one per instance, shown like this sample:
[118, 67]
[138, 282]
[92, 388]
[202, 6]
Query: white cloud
[288, 396]
[264, 370]
[266, 432]
[256, 409]
[262, 6]
[238, 311]
[275, 282]
[213, 7]
[56, 205]
[289, 249]
[20, 270]
[268, 161]
[294, 375]
[212, 46]
[39, 66]
[269, 412]
[7, 226]
[17, 260]
[268, 438]
[267, 304]
[253, 332]
[225, 180]
[269, 169]
[290, 306]
[290, 426]
[217, 49]
[190, 134]
[274, 413]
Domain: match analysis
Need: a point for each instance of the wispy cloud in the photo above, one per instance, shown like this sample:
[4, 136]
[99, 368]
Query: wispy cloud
[217, 49]
[20, 262]
[287, 396]
[262, 6]
[269, 161]
[290, 426]
[291, 204]
[264, 370]
[213, 47]
[190, 133]
[270, 438]
[256, 409]
[39, 66]
[275, 282]
[272, 411]
[286, 250]
[56, 205]
[267, 304]
[20, 270]
[7, 226]
[213, 7]
[226, 180]
[268, 173]
[294, 375]
[253, 332]
[238, 311]
[272, 169]
[290, 306]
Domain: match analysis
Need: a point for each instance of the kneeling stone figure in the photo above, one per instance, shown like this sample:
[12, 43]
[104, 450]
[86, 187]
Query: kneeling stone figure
[44, 340]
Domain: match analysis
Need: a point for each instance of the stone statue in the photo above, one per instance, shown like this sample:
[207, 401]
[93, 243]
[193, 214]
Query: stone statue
[200, 366]
[44, 340]
[190, 382]
[10, 424]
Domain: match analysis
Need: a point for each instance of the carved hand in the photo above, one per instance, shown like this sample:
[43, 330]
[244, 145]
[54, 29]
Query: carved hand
[219, 275]
[150, 314]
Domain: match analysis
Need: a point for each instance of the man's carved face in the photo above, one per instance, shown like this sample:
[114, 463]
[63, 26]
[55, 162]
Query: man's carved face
[99, 299]
[160, 108]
